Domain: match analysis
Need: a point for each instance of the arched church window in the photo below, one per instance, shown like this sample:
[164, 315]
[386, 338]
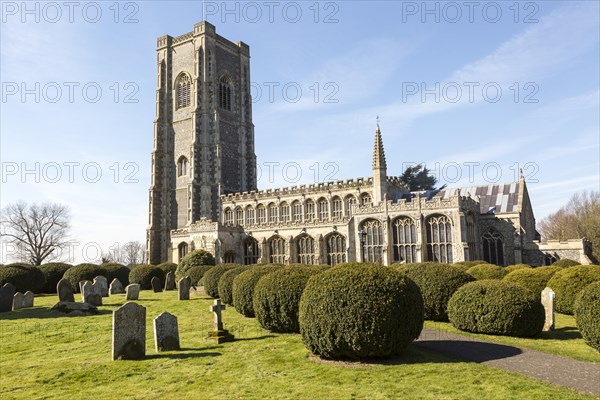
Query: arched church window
[249, 215]
[229, 257]
[182, 166]
[228, 216]
[272, 213]
[183, 90]
[350, 201]
[493, 247]
[336, 249]
[365, 199]
[323, 210]
[251, 251]
[261, 214]
[471, 238]
[297, 211]
[285, 212]
[239, 216]
[305, 247]
[310, 211]
[225, 93]
[439, 239]
[336, 208]
[404, 240]
[373, 241]
[182, 249]
[277, 250]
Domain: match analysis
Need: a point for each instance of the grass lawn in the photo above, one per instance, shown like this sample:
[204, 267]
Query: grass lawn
[565, 340]
[43, 356]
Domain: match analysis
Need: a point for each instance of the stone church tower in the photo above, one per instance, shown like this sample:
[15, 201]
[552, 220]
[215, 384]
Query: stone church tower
[203, 132]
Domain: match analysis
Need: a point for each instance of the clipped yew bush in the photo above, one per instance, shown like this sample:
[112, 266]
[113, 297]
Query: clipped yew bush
[196, 273]
[498, 308]
[465, 265]
[83, 272]
[277, 295]
[587, 314]
[243, 288]
[360, 311]
[53, 272]
[487, 271]
[24, 276]
[568, 282]
[143, 275]
[211, 278]
[565, 263]
[168, 267]
[515, 267]
[193, 259]
[534, 279]
[118, 271]
[225, 285]
[437, 282]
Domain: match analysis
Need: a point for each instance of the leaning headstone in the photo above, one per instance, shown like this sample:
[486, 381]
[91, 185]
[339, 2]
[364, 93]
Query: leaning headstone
[116, 287]
[91, 294]
[156, 284]
[170, 281]
[184, 288]
[7, 294]
[81, 283]
[132, 291]
[129, 332]
[28, 299]
[548, 296]
[18, 301]
[65, 291]
[218, 334]
[166, 332]
[102, 283]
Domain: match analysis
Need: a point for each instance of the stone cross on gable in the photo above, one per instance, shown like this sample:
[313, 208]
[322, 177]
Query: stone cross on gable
[217, 308]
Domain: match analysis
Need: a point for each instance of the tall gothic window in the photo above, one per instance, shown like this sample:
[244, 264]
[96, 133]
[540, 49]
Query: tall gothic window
[182, 249]
[229, 257]
[285, 212]
[365, 199]
[323, 210]
[183, 91]
[228, 216]
[225, 93]
[336, 249]
[336, 208]
[310, 211]
[350, 201]
[182, 166]
[439, 239]
[297, 211]
[404, 240]
[493, 247]
[239, 216]
[373, 241]
[249, 215]
[272, 213]
[305, 247]
[251, 251]
[277, 250]
[471, 238]
[261, 214]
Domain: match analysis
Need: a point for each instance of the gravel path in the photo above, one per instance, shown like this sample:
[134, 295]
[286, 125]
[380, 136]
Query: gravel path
[578, 375]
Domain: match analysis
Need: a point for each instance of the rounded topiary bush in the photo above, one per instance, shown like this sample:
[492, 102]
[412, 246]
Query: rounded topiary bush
[24, 276]
[118, 271]
[515, 267]
[143, 275]
[168, 267]
[83, 272]
[53, 272]
[496, 307]
[587, 314]
[360, 311]
[487, 271]
[568, 282]
[196, 273]
[193, 259]
[565, 263]
[276, 298]
[226, 283]
[243, 288]
[464, 265]
[210, 281]
[534, 279]
[437, 282]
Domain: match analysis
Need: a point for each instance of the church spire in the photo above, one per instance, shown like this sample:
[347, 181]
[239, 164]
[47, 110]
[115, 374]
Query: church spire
[378, 152]
[379, 168]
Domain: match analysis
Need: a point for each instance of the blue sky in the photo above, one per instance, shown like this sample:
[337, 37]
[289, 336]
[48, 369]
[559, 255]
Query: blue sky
[476, 93]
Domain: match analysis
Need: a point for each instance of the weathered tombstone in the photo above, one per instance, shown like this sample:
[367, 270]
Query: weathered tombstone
[132, 291]
[218, 334]
[28, 299]
[102, 283]
[129, 332]
[7, 293]
[91, 294]
[18, 301]
[81, 283]
[170, 281]
[65, 291]
[156, 284]
[116, 287]
[166, 332]
[548, 296]
[184, 288]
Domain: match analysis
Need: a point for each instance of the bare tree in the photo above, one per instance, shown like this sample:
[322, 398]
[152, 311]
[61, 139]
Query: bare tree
[133, 253]
[37, 230]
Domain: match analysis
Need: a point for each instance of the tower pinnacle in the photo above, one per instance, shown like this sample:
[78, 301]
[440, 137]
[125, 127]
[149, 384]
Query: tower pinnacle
[379, 168]
[378, 151]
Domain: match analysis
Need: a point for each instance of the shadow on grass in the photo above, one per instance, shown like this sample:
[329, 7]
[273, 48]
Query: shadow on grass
[42, 313]
[564, 333]
[468, 350]
[184, 354]
[253, 338]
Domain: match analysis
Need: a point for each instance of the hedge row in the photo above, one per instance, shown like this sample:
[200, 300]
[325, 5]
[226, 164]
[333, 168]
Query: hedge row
[569, 282]
[143, 275]
[587, 314]
[24, 276]
[53, 272]
[534, 279]
[487, 271]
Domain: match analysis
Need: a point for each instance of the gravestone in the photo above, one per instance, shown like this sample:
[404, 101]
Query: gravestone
[156, 284]
[548, 296]
[18, 301]
[7, 294]
[102, 284]
[129, 332]
[116, 287]
[91, 294]
[218, 334]
[166, 332]
[81, 283]
[170, 281]
[132, 291]
[184, 288]
[65, 291]
[28, 299]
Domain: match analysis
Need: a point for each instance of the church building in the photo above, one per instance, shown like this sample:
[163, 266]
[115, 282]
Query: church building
[203, 193]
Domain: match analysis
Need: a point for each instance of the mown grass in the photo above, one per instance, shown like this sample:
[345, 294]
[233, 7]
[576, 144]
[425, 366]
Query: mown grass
[565, 340]
[43, 356]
